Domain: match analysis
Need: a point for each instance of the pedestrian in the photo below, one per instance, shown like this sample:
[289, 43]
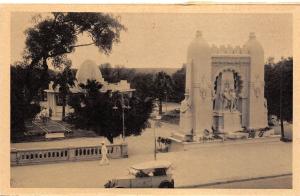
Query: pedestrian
[104, 159]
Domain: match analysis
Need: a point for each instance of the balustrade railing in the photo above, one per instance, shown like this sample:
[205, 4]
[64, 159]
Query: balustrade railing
[40, 156]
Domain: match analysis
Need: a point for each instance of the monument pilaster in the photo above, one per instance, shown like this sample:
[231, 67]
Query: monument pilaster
[257, 116]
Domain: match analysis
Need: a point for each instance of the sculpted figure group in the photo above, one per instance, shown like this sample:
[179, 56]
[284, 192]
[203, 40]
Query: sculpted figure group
[229, 99]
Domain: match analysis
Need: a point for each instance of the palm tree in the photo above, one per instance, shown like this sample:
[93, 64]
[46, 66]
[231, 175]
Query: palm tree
[64, 80]
[163, 85]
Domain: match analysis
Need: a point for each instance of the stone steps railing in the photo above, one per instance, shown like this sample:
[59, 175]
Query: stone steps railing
[52, 155]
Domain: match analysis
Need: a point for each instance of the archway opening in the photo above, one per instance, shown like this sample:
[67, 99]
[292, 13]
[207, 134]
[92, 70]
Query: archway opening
[227, 85]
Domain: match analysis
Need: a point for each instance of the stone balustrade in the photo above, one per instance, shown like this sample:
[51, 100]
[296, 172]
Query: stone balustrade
[50, 155]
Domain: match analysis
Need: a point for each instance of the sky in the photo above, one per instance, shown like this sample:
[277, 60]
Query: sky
[156, 40]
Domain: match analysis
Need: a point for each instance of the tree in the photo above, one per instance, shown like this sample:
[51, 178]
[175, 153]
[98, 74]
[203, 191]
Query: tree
[55, 36]
[64, 81]
[21, 110]
[179, 84]
[143, 83]
[273, 73]
[50, 39]
[163, 86]
[117, 73]
[95, 110]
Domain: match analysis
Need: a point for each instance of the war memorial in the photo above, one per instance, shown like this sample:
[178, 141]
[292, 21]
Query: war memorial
[224, 92]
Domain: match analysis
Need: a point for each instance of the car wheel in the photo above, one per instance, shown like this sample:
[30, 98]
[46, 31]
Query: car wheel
[166, 185]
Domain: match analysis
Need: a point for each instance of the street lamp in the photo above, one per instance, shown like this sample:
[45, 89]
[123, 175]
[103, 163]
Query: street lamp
[156, 117]
[166, 94]
[123, 106]
[280, 101]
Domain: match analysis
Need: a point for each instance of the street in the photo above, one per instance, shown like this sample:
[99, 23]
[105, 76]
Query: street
[281, 182]
[191, 168]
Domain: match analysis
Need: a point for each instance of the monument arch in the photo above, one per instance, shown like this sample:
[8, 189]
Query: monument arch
[236, 83]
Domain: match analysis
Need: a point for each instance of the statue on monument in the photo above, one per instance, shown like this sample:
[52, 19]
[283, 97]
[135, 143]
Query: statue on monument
[204, 87]
[233, 101]
[186, 114]
[185, 104]
[229, 98]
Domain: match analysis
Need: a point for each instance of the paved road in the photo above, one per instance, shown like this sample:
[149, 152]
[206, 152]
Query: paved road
[282, 182]
[200, 166]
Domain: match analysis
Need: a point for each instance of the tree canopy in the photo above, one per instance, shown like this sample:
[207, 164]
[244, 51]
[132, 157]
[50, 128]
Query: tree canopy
[55, 36]
[179, 84]
[64, 81]
[116, 73]
[52, 37]
[163, 86]
[102, 112]
[49, 40]
[274, 72]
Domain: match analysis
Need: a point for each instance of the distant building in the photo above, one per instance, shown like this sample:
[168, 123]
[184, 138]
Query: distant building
[87, 71]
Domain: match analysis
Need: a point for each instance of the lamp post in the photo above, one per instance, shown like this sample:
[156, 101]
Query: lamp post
[156, 117]
[280, 103]
[123, 106]
[166, 93]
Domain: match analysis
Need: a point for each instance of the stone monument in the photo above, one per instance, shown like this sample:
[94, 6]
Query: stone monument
[224, 88]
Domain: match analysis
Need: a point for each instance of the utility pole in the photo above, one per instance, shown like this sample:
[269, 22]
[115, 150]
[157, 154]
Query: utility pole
[155, 117]
[123, 107]
[154, 141]
[166, 93]
[280, 104]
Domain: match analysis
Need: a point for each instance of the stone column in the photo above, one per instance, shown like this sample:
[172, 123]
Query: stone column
[257, 114]
[199, 59]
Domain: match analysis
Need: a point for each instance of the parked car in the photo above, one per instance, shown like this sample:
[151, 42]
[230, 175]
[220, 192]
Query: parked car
[153, 174]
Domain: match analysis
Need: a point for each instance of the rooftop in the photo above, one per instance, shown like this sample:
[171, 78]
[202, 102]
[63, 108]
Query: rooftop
[151, 165]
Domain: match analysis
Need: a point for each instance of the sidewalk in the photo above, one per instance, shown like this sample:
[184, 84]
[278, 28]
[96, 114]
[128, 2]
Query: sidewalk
[191, 168]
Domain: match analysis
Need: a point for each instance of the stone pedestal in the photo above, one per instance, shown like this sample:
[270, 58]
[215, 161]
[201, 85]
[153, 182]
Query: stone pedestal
[186, 122]
[218, 124]
[232, 121]
[227, 121]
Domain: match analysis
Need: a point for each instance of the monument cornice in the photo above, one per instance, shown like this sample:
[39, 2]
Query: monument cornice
[230, 59]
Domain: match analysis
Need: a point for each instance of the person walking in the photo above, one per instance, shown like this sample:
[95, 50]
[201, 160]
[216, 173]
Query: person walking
[104, 159]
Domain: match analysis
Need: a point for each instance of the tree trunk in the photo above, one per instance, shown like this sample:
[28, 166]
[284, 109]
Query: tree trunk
[160, 106]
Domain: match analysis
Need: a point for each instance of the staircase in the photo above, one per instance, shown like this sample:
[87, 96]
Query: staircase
[52, 129]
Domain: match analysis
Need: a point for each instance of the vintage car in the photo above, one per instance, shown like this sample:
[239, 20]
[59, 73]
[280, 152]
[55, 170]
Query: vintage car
[153, 174]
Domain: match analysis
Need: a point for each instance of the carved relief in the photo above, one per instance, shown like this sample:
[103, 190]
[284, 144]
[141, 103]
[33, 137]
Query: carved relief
[229, 98]
[257, 86]
[204, 87]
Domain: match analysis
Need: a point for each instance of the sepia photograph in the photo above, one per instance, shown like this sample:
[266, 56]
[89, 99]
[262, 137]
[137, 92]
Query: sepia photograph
[178, 100]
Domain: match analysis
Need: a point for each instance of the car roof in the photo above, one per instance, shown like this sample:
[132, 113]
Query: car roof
[151, 165]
